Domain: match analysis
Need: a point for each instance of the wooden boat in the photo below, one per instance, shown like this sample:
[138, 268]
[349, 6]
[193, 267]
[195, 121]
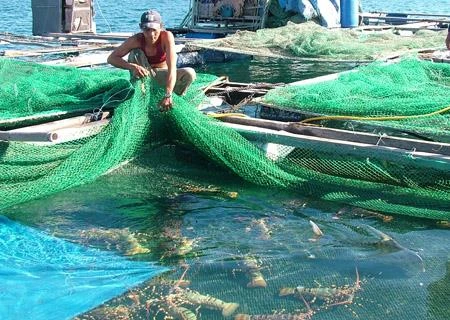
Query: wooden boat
[274, 128]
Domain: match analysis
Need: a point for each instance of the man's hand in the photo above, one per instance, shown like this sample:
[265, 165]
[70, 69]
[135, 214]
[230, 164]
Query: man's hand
[447, 41]
[139, 71]
[166, 104]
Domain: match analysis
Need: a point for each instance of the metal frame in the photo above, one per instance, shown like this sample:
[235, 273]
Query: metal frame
[208, 16]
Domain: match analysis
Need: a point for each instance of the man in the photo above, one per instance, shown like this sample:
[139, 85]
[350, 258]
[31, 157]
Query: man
[152, 52]
[447, 40]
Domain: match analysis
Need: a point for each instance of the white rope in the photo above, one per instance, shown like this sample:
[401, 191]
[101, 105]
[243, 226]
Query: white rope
[101, 13]
[97, 111]
[380, 137]
[411, 154]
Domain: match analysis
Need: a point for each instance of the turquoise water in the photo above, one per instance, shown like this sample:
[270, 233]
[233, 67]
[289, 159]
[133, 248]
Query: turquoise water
[173, 207]
[124, 16]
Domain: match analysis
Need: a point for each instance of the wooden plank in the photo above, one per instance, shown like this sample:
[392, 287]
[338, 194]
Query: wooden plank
[349, 136]
[407, 13]
[422, 159]
[59, 50]
[101, 36]
[88, 60]
[416, 25]
[396, 18]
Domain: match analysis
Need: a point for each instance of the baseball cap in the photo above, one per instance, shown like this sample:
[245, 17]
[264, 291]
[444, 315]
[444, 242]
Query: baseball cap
[151, 19]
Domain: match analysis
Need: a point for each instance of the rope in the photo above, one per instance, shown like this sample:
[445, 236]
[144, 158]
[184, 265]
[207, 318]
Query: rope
[97, 112]
[101, 13]
[384, 118]
[222, 115]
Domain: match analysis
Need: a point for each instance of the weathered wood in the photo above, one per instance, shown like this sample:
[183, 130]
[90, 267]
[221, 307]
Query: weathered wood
[345, 135]
[87, 60]
[355, 149]
[407, 13]
[218, 81]
[104, 36]
[58, 50]
[400, 18]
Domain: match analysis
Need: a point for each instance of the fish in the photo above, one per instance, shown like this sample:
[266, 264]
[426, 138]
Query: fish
[209, 302]
[316, 229]
[253, 270]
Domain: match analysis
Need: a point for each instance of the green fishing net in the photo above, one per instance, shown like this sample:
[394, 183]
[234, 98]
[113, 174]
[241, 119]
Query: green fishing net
[29, 171]
[310, 41]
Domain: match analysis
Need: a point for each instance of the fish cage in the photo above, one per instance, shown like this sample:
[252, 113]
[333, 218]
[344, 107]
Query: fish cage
[227, 16]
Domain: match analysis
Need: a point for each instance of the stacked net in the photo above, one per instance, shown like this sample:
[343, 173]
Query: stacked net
[28, 171]
[312, 42]
[410, 96]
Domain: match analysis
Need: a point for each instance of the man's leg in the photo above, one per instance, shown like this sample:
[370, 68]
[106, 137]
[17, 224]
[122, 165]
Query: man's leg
[137, 56]
[185, 76]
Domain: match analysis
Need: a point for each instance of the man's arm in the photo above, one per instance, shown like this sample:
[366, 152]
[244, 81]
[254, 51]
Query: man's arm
[116, 58]
[171, 60]
[171, 63]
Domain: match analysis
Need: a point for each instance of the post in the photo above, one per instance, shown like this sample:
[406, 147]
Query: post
[349, 13]
[47, 16]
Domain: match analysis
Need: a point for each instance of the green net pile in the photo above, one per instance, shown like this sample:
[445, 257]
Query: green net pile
[310, 41]
[29, 171]
[414, 89]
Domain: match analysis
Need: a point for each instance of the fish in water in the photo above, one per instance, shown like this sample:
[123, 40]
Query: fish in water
[209, 302]
[331, 295]
[181, 313]
[316, 229]
[286, 316]
[254, 272]
[388, 241]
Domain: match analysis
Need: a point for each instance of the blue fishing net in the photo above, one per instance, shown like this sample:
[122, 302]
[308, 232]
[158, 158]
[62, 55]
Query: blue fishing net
[43, 277]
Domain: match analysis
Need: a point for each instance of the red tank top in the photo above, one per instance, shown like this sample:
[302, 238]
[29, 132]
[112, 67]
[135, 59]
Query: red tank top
[160, 55]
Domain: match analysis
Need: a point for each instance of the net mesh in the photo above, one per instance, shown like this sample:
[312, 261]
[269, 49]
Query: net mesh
[30, 171]
[310, 41]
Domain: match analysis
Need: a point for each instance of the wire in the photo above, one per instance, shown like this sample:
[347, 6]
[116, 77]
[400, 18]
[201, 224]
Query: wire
[98, 111]
[101, 13]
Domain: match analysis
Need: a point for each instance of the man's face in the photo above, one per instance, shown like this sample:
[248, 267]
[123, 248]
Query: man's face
[151, 34]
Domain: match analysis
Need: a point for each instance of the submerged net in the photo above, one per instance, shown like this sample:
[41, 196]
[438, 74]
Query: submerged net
[313, 42]
[28, 171]
[43, 275]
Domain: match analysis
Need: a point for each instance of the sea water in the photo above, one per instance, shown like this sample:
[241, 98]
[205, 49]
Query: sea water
[174, 207]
